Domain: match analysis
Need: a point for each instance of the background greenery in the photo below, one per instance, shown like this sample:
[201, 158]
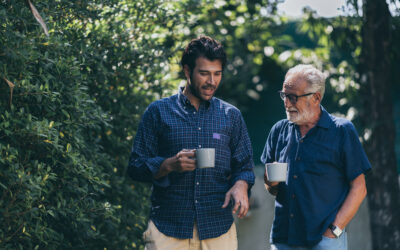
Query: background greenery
[66, 127]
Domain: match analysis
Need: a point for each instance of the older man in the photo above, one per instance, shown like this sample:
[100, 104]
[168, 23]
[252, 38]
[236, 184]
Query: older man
[325, 184]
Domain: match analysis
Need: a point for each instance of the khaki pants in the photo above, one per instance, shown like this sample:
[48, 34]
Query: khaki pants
[155, 240]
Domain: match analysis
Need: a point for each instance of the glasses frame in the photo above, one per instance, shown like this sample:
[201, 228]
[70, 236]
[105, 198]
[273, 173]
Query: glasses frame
[292, 98]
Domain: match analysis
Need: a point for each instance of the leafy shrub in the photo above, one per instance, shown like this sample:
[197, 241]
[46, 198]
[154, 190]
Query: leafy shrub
[67, 129]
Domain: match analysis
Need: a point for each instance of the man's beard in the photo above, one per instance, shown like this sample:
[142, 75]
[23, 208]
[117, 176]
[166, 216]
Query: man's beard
[195, 91]
[299, 118]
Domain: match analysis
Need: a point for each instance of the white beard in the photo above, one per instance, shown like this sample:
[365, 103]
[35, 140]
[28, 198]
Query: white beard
[299, 118]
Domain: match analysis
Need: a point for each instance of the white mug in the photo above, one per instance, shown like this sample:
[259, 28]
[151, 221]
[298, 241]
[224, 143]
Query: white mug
[276, 171]
[205, 157]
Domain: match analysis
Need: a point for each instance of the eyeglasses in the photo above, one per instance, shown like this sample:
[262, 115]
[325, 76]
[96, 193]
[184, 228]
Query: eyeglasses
[292, 98]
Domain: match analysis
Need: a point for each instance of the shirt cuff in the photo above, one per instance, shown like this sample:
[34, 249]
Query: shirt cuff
[154, 166]
[247, 176]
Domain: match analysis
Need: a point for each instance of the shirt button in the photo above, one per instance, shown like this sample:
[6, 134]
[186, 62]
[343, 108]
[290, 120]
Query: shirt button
[301, 141]
[195, 201]
[294, 176]
[293, 196]
[199, 128]
[291, 215]
[197, 183]
[199, 146]
[194, 112]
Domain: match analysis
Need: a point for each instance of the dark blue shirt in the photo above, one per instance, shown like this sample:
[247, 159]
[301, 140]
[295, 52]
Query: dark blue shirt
[321, 166]
[178, 199]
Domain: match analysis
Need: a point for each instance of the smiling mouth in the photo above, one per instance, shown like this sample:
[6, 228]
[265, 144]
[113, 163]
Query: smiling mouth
[209, 90]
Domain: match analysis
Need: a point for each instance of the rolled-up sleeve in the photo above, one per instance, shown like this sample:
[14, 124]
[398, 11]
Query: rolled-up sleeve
[144, 161]
[269, 153]
[353, 155]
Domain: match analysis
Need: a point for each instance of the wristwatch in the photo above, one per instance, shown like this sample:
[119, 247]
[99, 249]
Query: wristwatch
[335, 230]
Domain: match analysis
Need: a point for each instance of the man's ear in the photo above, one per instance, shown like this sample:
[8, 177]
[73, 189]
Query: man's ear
[318, 97]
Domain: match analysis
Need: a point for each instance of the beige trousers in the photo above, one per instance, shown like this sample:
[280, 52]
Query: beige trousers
[155, 240]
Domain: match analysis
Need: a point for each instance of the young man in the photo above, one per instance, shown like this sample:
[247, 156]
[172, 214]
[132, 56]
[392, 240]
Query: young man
[325, 184]
[191, 207]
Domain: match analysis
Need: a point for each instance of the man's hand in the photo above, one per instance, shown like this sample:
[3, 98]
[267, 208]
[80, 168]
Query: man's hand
[328, 233]
[183, 161]
[272, 187]
[239, 195]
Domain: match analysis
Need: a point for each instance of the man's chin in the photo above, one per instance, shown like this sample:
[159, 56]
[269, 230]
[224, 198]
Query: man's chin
[206, 97]
[292, 118]
[297, 121]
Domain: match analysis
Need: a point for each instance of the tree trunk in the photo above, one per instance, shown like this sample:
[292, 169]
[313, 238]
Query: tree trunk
[376, 69]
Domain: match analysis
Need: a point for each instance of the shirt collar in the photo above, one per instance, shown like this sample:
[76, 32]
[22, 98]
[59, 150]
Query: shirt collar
[184, 100]
[325, 120]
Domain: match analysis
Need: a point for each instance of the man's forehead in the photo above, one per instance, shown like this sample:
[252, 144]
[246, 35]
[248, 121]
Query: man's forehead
[204, 64]
[289, 84]
[294, 82]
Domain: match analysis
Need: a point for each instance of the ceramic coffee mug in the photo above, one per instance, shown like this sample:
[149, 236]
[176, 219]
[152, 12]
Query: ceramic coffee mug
[276, 171]
[205, 157]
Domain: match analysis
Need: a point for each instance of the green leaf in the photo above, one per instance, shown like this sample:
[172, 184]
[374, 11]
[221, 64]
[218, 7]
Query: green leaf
[2, 185]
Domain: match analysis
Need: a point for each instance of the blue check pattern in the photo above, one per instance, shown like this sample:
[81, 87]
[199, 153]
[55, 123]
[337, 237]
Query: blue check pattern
[179, 199]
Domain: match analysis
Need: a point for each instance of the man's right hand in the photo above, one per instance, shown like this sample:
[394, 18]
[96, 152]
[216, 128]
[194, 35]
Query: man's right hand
[272, 187]
[183, 161]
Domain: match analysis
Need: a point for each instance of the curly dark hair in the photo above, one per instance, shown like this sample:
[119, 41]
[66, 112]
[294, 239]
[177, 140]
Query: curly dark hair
[203, 46]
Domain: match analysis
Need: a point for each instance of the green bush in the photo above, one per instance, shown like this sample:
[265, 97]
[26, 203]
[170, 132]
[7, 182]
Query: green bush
[67, 130]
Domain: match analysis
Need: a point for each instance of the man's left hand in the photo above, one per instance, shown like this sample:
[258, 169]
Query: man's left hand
[328, 233]
[239, 195]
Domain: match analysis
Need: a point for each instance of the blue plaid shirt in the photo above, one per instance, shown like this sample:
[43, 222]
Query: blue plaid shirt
[178, 199]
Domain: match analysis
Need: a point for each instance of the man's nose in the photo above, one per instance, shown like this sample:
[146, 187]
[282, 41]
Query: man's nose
[211, 79]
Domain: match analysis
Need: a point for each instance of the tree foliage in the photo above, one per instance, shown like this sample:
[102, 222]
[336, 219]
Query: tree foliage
[66, 133]
[70, 102]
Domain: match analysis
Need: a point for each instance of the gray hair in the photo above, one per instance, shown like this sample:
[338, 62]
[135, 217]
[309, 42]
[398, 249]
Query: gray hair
[314, 77]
